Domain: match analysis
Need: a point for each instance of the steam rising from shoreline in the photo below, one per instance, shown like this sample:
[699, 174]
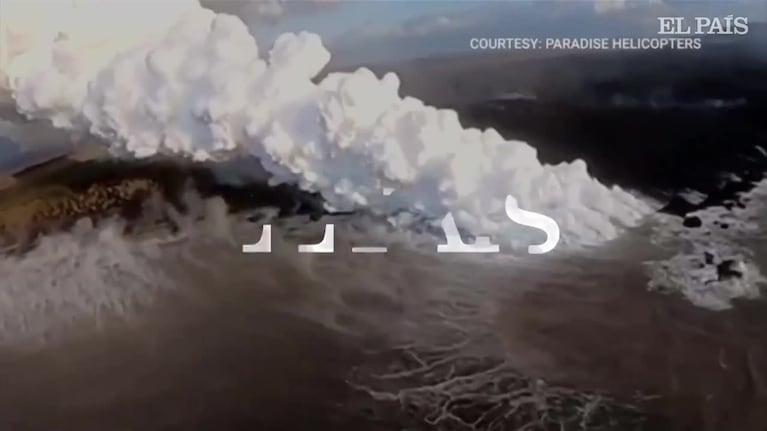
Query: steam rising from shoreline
[194, 83]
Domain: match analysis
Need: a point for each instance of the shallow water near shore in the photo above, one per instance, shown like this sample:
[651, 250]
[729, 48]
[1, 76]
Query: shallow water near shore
[225, 339]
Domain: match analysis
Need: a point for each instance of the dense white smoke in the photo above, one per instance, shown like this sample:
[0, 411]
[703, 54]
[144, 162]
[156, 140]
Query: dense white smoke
[174, 77]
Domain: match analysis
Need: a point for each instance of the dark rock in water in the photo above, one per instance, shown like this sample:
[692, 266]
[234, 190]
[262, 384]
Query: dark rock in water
[679, 205]
[729, 268]
[692, 221]
[709, 258]
[724, 225]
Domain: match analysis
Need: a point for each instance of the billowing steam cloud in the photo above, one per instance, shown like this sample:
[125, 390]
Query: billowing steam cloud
[178, 78]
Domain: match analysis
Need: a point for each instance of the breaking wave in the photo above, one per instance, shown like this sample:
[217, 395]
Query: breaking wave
[87, 275]
[716, 252]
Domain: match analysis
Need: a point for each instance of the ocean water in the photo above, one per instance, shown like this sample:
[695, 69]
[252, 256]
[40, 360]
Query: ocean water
[184, 331]
[162, 330]
[115, 325]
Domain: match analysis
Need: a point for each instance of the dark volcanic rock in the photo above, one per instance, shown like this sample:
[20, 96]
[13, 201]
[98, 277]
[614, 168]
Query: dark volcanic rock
[729, 269]
[692, 221]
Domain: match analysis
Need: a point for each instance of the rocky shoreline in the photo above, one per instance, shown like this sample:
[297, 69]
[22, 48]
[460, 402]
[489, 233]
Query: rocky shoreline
[53, 195]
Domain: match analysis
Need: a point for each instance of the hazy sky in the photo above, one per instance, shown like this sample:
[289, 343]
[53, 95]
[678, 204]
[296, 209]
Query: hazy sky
[385, 30]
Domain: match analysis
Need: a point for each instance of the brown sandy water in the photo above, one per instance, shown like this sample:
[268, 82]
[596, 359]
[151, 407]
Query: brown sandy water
[224, 340]
[234, 341]
[251, 369]
[707, 368]
[214, 352]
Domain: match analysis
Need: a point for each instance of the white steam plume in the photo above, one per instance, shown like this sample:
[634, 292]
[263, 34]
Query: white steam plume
[174, 77]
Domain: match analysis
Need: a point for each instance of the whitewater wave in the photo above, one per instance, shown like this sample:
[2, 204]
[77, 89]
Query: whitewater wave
[195, 84]
[85, 276]
[96, 276]
[715, 259]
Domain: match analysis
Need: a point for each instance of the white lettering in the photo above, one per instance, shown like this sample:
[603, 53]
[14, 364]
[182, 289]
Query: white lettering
[264, 244]
[537, 221]
[327, 244]
[456, 245]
